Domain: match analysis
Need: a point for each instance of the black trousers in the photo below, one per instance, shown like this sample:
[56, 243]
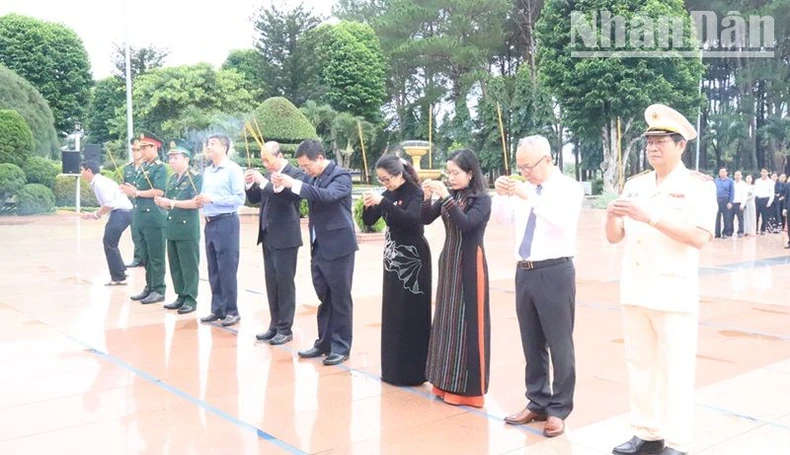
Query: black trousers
[279, 267]
[723, 215]
[222, 255]
[117, 223]
[546, 308]
[736, 212]
[332, 282]
[763, 214]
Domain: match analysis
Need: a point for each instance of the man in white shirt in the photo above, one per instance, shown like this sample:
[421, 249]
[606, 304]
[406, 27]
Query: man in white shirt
[739, 201]
[545, 213]
[113, 201]
[664, 216]
[763, 200]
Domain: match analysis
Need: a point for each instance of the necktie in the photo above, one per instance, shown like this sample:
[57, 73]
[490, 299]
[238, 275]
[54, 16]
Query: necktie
[526, 244]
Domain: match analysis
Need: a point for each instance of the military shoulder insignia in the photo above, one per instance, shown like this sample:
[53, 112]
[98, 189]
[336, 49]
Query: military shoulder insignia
[700, 176]
[639, 174]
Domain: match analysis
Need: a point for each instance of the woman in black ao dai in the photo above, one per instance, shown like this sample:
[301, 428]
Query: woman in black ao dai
[406, 293]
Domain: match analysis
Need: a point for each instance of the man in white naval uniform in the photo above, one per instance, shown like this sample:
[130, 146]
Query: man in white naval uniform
[665, 216]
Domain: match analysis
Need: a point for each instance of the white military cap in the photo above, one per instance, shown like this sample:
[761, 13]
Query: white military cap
[663, 120]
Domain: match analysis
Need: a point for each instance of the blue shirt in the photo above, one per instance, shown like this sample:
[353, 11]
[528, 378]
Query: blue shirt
[224, 185]
[725, 189]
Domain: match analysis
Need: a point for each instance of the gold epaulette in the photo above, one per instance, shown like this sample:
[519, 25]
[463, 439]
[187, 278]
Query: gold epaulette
[699, 175]
[639, 174]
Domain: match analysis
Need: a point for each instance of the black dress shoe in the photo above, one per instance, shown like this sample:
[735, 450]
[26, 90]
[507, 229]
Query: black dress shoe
[174, 305]
[280, 339]
[211, 318]
[230, 320]
[638, 446]
[141, 295]
[186, 308]
[671, 451]
[335, 359]
[153, 297]
[311, 353]
[266, 336]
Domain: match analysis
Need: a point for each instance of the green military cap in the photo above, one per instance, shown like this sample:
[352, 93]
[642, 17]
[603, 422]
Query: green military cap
[180, 147]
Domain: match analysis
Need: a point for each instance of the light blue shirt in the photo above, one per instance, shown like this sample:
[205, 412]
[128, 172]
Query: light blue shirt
[224, 185]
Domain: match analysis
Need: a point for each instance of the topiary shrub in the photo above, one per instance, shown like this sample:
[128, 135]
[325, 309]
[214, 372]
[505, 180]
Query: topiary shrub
[64, 193]
[279, 120]
[12, 179]
[41, 170]
[20, 95]
[16, 145]
[359, 206]
[34, 198]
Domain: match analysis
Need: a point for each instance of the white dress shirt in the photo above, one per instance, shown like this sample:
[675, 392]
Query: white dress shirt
[557, 211]
[741, 192]
[109, 194]
[764, 188]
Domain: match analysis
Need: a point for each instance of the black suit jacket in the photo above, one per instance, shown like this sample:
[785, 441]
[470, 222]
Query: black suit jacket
[284, 227]
[329, 202]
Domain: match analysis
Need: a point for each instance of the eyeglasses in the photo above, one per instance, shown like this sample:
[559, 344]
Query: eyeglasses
[657, 143]
[383, 180]
[528, 168]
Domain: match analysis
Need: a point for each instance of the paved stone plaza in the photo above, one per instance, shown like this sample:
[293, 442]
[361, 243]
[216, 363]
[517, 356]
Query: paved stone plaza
[84, 370]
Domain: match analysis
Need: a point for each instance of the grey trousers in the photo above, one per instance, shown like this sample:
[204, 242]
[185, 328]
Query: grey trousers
[546, 307]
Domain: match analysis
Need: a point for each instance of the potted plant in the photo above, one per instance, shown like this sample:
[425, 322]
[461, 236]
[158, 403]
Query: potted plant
[367, 233]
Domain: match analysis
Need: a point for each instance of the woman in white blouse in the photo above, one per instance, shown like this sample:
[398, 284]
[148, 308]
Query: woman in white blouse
[750, 212]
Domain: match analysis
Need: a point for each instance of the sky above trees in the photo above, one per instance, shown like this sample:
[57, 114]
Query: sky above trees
[192, 35]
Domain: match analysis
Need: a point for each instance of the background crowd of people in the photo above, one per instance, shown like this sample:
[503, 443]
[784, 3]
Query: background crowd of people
[758, 205]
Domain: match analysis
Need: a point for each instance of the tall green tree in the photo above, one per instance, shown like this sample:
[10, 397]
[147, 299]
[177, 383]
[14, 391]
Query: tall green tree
[142, 59]
[284, 63]
[107, 99]
[19, 95]
[52, 58]
[348, 69]
[594, 91]
[250, 64]
[175, 100]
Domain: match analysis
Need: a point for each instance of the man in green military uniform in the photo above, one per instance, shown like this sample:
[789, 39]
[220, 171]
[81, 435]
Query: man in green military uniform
[183, 228]
[129, 176]
[149, 219]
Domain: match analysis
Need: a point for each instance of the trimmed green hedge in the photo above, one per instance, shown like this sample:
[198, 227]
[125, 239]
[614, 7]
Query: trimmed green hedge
[64, 193]
[16, 144]
[34, 198]
[41, 170]
[279, 120]
[12, 179]
[19, 95]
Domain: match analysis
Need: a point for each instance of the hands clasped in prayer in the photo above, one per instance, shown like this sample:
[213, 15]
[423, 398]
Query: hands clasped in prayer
[431, 187]
[505, 186]
[628, 207]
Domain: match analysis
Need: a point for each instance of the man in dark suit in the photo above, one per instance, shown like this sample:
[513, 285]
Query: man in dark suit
[280, 236]
[327, 189]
